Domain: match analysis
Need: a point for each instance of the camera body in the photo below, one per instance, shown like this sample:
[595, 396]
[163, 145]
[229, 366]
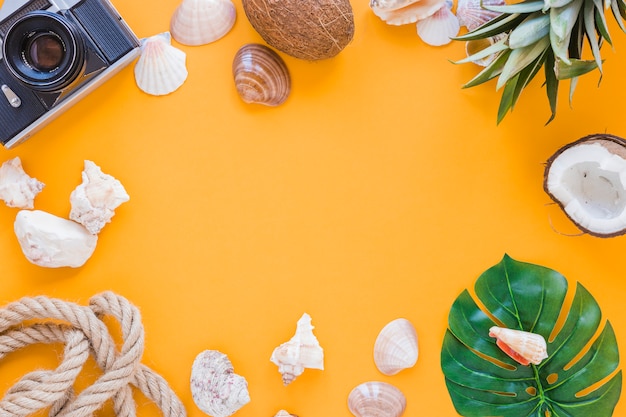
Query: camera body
[54, 52]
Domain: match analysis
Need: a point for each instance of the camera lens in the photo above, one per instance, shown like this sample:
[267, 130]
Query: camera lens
[44, 50]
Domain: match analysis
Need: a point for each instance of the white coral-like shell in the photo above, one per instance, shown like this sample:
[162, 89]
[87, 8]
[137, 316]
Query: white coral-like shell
[161, 69]
[402, 12]
[198, 22]
[376, 399]
[95, 200]
[17, 189]
[524, 347]
[301, 351]
[215, 387]
[395, 348]
[439, 28]
[472, 14]
[51, 241]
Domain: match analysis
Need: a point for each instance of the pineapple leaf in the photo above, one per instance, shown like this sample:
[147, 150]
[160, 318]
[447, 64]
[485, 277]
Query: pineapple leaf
[491, 71]
[563, 19]
[493, 27]
[550, 4]
[552, 83]
[533, 28]
[589, 12]
[523, 7]
[484, 53]
[619, 12]
[600, 22]
[572, 86]
[528, 73]
[573, 69]
[508, 97]
[520, 58]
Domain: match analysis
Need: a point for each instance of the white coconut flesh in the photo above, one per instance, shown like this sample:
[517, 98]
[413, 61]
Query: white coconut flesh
[589, 181]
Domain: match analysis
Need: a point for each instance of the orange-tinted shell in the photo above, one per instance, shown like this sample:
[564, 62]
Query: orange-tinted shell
[524, 347]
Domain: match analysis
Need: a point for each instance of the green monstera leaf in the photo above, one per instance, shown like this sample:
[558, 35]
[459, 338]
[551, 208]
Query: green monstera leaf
[578, 379]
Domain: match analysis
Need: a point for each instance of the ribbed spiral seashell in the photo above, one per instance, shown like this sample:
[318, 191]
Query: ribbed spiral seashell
[215, 388]
[472, 14]
[161, 68]
[18, 189]
[524, 347]
[261, 76]
[396, 348]
[198, 22]
[376, 399]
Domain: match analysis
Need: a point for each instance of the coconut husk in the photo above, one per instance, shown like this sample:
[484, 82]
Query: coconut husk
[310, 30]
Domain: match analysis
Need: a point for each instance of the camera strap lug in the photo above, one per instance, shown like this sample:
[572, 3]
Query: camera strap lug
[11, 97]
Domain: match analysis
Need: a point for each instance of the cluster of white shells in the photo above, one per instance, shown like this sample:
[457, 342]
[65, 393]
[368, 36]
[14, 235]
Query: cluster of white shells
[51, 241]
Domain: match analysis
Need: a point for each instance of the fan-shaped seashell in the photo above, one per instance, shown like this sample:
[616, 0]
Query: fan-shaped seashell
[438, 29]
[472, 14]
[395, 348]
[53, 242]
[524, 347]
[198, 22]
[376, 399]
[161, 68]
[402, 12]
[94, 201]
[261, 76]
[300, 352]
[18, 189]
[476, 45]
[215, 388]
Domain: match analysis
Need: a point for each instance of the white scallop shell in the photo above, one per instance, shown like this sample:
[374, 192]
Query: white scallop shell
[18, 189]
[215, 388]
[403, 12]
[300, 352]
[530, 346]
[161, 68]
[439, 28]
[395, 348]
[198, 22]
[376, 399]
[94, 201]
[472, 14]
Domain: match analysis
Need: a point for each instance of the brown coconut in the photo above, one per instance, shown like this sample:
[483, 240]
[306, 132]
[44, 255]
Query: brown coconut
[587, 179]
[305, 29]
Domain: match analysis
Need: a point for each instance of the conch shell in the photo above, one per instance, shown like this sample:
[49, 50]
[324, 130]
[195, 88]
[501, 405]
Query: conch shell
[215, 388]
[198, 22]
[523, 347]
[395, 348]
[94, 201]
[17, 189]
[161, 69]
[51, 241]
[376, 399]
[302, 351]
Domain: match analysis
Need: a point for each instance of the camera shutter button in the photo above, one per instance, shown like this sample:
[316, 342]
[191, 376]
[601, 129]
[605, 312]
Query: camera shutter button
[12, 98]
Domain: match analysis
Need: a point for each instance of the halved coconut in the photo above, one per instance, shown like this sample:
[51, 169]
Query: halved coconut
[587, 178]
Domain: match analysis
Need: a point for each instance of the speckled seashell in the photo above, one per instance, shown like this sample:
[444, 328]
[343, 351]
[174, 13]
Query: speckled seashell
[51, 241]
[198, 22]
[94, 201]
[261, 76]
[439, 28]
[476, 45]
[395, 348]
[376, 399]
[18, 189]
[402, 12]
[524, 347]
[300, 352]
[161, 69]
[472, 14]
[215, 387]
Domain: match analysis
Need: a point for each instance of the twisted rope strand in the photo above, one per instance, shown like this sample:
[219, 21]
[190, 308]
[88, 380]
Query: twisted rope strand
[83, 332]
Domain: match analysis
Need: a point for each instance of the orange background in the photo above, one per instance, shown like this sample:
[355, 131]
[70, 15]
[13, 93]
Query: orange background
[379, 189]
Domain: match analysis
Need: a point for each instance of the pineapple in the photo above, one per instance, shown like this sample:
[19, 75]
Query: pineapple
[542, 33]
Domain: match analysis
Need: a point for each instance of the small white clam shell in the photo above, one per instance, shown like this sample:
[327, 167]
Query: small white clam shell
[94, 201]
[300, 352]
[18, 189]
[404, 12]
[440, 27]
[198, 22]
[524, 347]
[376, 399]
[396, 348]
[472, 14]
[215, 387]
[161, 68]
[53, 242]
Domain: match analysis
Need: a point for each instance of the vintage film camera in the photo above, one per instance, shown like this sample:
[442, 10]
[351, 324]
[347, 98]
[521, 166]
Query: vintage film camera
[54, 52]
